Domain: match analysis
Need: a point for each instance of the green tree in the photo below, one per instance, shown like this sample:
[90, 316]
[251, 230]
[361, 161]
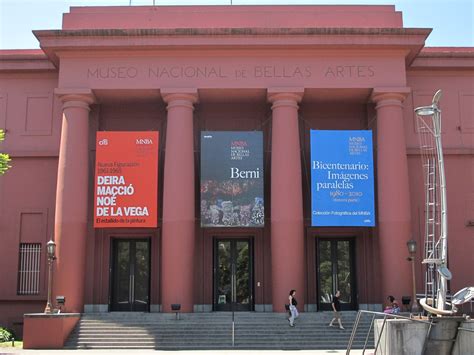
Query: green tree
[4, 158]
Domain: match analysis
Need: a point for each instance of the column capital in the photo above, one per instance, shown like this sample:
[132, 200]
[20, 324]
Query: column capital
[285, 97]
[186, 97]
[389, 96]
[75, 97]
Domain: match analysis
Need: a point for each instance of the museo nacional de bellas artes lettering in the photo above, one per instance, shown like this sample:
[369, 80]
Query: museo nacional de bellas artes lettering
[232, 179]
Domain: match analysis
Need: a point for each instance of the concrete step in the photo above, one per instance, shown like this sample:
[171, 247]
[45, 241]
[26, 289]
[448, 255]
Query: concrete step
[213, 331]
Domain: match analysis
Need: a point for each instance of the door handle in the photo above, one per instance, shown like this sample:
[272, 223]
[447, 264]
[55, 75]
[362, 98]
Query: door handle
[133, 289]
[234, 288]
[130, 289]
[231, 286]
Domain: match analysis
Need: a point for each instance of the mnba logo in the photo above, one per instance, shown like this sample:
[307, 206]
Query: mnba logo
[142, 141]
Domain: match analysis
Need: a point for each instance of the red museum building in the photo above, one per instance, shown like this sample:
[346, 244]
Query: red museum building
[180, 71]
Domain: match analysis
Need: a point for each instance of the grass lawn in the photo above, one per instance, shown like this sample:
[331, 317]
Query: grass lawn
[8, 344]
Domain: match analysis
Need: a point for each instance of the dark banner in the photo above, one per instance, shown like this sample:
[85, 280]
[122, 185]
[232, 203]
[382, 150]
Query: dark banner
[232, 179]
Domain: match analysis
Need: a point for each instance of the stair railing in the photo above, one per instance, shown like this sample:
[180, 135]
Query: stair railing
[466, 329]
[233, 329]
[385, 316]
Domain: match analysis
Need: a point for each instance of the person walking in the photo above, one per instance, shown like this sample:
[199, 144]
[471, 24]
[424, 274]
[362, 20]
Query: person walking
[293, 309]
[336, 306]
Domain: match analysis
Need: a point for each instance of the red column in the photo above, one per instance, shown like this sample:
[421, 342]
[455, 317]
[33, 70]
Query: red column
[70, 224]
[287, 231]
[393, 193]
[178, 203]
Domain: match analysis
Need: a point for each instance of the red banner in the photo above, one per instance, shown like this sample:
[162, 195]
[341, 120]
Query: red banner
[126, 179]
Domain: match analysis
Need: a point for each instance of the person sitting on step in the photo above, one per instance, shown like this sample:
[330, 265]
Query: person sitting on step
[392, 307]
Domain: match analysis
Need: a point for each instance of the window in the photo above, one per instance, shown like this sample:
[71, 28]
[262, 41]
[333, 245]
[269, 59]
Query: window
[29, 269]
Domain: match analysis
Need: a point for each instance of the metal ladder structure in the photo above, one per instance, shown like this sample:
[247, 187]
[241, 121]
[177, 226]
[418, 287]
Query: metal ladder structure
[431, 247]
[437, 275]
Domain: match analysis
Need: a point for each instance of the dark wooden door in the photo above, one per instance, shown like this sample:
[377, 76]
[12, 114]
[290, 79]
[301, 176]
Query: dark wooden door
[130, 275]
[233, 272]
[336, 271]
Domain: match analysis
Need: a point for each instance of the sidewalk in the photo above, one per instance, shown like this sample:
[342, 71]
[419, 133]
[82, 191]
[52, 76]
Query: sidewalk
[181, 352]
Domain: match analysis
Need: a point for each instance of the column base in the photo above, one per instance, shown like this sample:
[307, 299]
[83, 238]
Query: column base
[263, 308]
[376, 307]
[202, 308]
[96, 308]
[155, 308]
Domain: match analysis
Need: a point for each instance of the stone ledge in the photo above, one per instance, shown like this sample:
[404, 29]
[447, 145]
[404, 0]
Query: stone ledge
[48, 331]
[51, 315]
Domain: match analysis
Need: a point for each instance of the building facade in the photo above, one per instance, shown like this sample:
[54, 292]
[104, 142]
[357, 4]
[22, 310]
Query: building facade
[181, 71]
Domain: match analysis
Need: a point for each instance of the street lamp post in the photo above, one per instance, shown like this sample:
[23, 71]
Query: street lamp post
[411, 244]
[51, 251]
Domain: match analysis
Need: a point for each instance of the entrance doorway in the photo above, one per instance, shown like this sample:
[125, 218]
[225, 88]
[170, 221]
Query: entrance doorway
[130, 275]
[336, 271]
[233, 270]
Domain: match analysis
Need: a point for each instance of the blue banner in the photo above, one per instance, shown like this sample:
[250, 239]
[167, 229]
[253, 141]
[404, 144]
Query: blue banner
[342, 178]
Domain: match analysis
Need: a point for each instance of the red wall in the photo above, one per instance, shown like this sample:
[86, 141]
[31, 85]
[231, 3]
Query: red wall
[30, 114]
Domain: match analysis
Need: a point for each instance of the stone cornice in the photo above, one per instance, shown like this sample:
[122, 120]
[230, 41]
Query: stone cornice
[25, 60]
[231, 32]
[457, 58]
[408, 39]
[447, 52]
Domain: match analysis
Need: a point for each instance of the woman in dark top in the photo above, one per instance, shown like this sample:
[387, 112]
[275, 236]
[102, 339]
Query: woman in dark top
[293, 310]
[336, 306]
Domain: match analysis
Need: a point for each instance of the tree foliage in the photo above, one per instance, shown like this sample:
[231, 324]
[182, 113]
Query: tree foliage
[4, 158]
[6, 335]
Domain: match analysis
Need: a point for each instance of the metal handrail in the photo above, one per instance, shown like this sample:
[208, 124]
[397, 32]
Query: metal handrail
[385, 317]
[368, 333]
[354, 328]
[233, 329]
[466, 329]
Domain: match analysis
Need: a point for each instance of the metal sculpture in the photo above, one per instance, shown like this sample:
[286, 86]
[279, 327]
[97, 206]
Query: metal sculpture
[428, 121]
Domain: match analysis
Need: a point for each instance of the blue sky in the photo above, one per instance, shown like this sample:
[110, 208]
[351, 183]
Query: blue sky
[452, 20]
